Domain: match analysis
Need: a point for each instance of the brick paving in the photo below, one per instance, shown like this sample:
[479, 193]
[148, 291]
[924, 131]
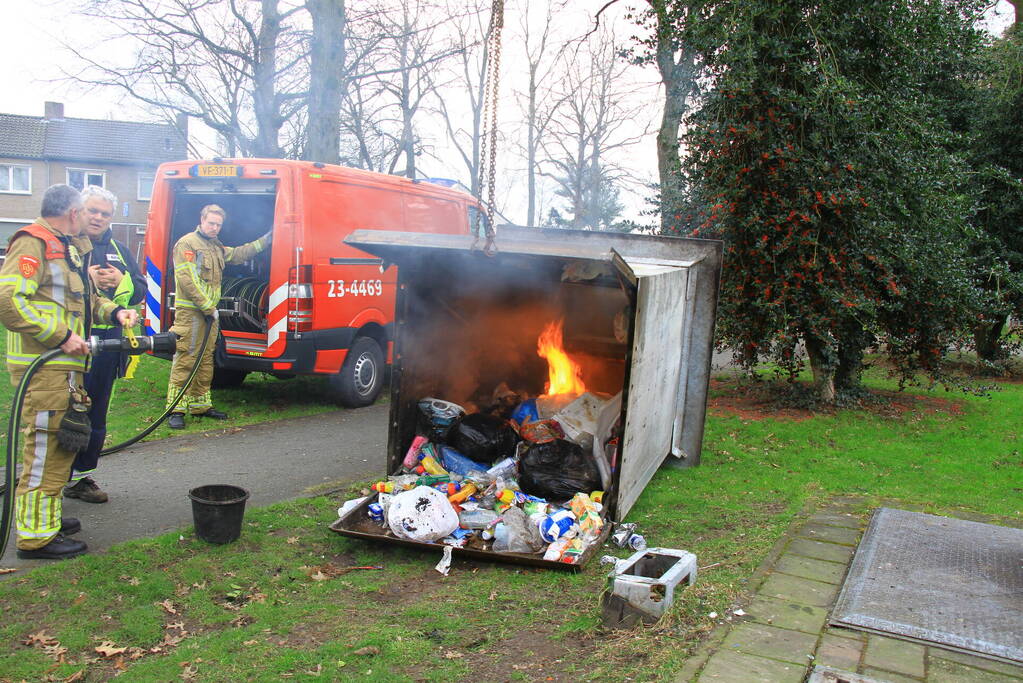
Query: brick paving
[786, 635]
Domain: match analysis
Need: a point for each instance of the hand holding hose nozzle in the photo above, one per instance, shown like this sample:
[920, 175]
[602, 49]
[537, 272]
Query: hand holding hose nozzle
[164, 342]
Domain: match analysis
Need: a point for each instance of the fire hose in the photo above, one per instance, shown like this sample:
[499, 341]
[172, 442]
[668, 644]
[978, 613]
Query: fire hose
[165, 342]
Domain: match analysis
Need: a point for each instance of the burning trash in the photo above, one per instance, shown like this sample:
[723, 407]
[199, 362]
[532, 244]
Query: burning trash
[523, 475]
[537, 389]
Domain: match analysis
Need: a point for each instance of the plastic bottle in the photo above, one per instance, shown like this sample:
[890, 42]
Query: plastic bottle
[480, 518]
[467, 489]
[383, 486]
[431, 466]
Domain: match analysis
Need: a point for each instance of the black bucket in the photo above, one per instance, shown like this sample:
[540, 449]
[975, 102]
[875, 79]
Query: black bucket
[217, 510]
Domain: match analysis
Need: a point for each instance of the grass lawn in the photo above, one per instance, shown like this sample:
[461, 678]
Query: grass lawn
[283, 602]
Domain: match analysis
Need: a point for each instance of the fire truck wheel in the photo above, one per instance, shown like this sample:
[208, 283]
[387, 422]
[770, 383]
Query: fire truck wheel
[362, 375]
[225, 378]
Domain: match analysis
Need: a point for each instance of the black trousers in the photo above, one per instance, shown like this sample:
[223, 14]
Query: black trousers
[99, 384]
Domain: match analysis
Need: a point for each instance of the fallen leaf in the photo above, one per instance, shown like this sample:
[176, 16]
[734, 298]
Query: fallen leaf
[8, 570]
[107, 649]
[168, 606]
[79, 600]
[368, 650]
[451, 654]
[292, 540]
[75, 677]
[40, 638]
[493, 594]
[318, 576]
[180, 625]
[134, 581]
[315, 672]
[250, 642]
[55, 651]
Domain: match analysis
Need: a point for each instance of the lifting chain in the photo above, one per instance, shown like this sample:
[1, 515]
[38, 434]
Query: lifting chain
[488, 143]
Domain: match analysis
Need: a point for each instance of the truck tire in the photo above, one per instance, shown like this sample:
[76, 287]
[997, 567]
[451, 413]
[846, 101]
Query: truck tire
[226, 378]
[362, 375]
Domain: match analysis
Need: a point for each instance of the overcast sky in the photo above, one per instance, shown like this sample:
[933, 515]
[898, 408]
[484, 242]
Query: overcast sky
[30, 51]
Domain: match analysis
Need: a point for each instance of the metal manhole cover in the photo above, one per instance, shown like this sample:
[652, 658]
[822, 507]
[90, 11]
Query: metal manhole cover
[939, 581]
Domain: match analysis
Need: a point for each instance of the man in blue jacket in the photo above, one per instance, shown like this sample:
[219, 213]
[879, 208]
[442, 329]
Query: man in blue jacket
[117, 277]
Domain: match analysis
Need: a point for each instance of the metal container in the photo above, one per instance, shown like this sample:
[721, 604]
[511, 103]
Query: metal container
[641, 587]
[638, 310]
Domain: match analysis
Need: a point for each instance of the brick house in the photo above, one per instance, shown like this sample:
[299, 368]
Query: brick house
[122, 156]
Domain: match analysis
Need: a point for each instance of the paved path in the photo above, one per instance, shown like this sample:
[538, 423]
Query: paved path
[149, 483]
[785, 633]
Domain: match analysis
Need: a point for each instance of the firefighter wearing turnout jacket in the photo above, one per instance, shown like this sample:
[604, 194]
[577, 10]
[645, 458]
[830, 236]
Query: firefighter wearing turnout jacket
[116, 275]
[199, 259]
[47, 302]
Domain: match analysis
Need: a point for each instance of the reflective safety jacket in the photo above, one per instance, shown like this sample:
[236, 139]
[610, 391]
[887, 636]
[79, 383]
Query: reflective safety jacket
[45, 296]
[106, 251]
[199, 269]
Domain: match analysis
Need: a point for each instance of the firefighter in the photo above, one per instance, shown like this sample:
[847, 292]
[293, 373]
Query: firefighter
[47, 302]
[199, 259]
[116, 275]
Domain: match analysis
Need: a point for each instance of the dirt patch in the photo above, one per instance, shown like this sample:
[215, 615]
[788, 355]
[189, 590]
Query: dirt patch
[754, 403]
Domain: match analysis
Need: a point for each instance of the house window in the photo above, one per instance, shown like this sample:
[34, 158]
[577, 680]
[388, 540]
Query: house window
[78, 178]
[15, 179]
[145, 186]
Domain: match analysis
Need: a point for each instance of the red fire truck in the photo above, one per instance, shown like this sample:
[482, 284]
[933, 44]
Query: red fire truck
[310, 304]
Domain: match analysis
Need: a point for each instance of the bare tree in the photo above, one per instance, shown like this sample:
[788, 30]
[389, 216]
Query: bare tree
[541, 59]
[597, 115]
[239, 67]
[469, 82]
[327, 71]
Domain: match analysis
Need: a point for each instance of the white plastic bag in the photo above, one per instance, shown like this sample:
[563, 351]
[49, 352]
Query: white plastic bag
[422, 514]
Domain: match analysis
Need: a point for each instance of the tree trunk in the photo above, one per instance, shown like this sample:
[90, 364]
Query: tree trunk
[326, 80]
[679, 82]
[823, 369]
[267, 109]
[849, 371]
[987, 339]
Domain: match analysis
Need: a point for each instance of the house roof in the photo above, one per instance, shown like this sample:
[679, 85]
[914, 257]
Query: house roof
[69, 139]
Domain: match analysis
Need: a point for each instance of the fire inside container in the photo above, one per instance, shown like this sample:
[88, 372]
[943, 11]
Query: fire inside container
[552, 379]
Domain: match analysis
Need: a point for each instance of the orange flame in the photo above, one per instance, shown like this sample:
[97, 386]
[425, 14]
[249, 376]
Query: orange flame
[564, 373]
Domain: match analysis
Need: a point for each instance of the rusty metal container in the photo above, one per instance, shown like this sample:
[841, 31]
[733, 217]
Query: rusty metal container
[638, 312]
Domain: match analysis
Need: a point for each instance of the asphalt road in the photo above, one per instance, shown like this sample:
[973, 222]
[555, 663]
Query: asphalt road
[149, 483]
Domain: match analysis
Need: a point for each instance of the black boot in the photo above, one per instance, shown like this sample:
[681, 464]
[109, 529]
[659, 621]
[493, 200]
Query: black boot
[59, 548]
[176, 421]
[70, 525]
[215, 414]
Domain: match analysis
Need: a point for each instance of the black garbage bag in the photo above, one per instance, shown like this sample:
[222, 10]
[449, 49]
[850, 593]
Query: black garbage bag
[483, 438]
[557, 470]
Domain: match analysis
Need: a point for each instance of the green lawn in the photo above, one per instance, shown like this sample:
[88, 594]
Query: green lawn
[279, 603]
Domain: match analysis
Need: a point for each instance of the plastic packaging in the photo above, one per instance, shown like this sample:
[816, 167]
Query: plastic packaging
[438, 416]
[412, 456]
[558, 470]
[453, 461]
[586, 514]
[541, 431]
[526, 412]
[383, 486]
[350, 505]
[422, 514]
[483, 438]
[504, 468]
[480, 518]
[376, 512]
[556, 525]
[516, 534]
[431, 466]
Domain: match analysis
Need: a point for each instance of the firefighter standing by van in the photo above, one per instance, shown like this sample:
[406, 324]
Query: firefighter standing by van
[116, 275]
[47, 302]
[199, 259]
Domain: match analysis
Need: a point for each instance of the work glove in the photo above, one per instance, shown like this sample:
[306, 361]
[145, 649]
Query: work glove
[268, 237]
[214, 316]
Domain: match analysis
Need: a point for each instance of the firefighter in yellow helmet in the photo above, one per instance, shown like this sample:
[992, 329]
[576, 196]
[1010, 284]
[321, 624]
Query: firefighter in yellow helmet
[199, 260]
[48, 302]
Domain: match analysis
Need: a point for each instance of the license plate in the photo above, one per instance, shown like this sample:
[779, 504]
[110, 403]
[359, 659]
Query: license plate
[216, 171]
